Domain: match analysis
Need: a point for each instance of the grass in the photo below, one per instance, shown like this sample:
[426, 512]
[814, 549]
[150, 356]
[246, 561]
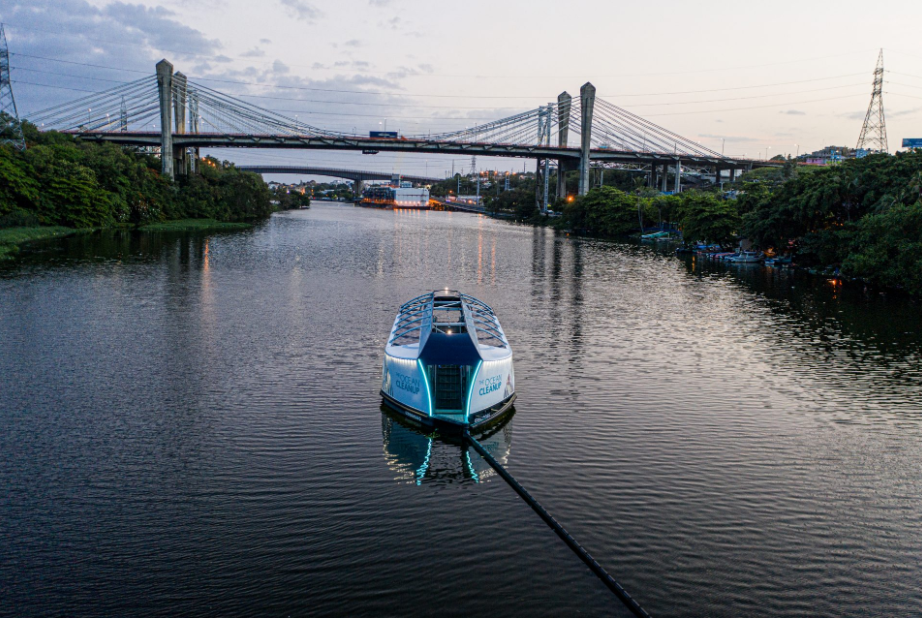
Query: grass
[12, 237]
[195, 225]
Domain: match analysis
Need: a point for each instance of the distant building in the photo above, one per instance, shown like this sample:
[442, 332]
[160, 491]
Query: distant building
[829, 155]
[466, 199]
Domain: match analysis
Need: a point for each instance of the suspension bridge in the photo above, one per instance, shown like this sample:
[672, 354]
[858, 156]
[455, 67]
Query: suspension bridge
[180, 116]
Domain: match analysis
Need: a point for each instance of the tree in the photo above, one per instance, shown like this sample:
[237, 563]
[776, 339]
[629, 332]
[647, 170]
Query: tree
[705, 217]
[605, 211]
[886, 248]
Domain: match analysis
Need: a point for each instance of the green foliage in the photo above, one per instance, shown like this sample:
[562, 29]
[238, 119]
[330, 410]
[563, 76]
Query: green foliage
[60, 181]
[18, 188]
[195, 225]
[11, 237]
[706, 217]
[288, 199]
[863, 214]
[604, 211]
[886, 248]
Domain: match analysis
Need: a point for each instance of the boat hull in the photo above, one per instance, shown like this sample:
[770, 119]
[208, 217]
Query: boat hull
[477, 421]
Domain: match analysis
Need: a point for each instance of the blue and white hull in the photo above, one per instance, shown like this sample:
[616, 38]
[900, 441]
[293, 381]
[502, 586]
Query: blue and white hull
[447, 362]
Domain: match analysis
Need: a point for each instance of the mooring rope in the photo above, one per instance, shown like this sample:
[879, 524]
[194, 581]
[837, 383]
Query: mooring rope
[578, 549]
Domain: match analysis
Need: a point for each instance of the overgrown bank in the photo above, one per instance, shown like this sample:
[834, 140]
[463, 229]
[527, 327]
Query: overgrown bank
[63, 183]
[861, 219]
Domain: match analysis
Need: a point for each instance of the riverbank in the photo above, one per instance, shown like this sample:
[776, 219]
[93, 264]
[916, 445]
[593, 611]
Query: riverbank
[196, 225]
[11, 238]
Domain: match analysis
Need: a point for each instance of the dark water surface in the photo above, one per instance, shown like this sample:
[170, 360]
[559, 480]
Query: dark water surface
[190, 425]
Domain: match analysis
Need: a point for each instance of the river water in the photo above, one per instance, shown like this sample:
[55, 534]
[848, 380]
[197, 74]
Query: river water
[191, 425]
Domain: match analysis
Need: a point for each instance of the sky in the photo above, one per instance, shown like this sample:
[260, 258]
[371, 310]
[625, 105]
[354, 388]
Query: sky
[745, 79]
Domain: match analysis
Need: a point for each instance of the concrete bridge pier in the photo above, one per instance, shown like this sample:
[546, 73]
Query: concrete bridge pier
[193, 127]
[564, 103]
[587, 105]
[539, 184]
[664, 188]
[653, 175]
[358, 185]
[181, 155]
[165, 90]
[563, 167]
[678, 176]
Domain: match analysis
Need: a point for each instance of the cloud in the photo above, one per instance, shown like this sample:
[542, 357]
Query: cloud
[793, 112]
[280, 67]
[158, 28]
[905, 112]
[379, 2]
[130, 38]
[264, 41]
[353, 43]
[253, 53]
[302, 10]
[402, 72]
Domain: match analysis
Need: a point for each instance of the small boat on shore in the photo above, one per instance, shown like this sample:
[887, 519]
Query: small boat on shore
[447, 362]
[747, 257]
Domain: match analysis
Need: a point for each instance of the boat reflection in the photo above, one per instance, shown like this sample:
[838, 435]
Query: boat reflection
[420, 456]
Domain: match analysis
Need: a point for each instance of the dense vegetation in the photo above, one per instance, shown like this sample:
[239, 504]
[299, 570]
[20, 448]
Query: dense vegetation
[862, 217]
[59, 181]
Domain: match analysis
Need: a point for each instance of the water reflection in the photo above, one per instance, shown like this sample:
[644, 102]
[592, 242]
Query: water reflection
[420, 456]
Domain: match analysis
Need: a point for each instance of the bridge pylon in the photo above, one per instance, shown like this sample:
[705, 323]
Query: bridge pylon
[564, 104]
[587, 105]
[165, 90]
[180, 155]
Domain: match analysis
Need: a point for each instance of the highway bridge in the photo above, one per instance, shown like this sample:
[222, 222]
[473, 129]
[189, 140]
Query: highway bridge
[170, 112]
[357, 176]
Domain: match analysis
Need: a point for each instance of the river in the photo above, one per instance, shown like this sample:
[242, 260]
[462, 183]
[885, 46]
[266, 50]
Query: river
[191, 425]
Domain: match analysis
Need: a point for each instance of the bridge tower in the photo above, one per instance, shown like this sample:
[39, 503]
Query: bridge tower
[165, 90]
[10, 125]
[587, 105]
[564, 104]
[541, 165]
[180, 88]
[194, 128]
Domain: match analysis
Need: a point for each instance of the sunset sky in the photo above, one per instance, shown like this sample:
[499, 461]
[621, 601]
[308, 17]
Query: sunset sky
[739, 78]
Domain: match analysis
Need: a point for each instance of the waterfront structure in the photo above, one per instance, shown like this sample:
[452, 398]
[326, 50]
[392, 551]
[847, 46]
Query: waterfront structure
[397, 194]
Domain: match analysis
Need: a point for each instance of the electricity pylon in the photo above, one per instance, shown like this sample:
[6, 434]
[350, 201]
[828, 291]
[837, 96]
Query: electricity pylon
[874, 131]
[10, 127]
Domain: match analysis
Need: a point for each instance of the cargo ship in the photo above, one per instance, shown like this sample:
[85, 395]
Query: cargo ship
[447, 362]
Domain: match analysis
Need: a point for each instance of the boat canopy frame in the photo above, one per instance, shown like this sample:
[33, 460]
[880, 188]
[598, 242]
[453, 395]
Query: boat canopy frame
[416, 318]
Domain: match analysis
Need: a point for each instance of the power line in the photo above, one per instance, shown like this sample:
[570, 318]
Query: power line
[385, 93]
[473, 75]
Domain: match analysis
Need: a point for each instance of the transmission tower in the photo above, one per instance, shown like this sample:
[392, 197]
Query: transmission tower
[874, 131]
[10, 126]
